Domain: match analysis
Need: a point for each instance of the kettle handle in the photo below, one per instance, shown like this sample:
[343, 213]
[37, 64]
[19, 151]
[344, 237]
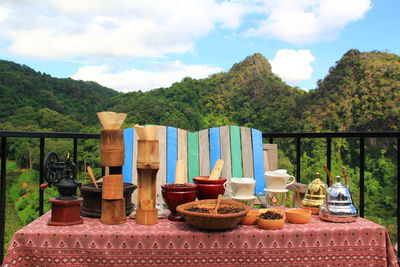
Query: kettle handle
[326, 197]
[297, 192]
[260, 199]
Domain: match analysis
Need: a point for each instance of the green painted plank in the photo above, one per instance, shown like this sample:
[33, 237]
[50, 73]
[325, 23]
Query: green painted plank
[193, 155]
[236, 151]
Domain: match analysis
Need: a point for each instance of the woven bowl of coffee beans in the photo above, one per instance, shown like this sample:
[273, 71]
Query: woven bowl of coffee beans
[271, 219]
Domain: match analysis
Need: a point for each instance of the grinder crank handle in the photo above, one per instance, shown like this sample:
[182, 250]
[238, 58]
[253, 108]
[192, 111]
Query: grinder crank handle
[44, 186]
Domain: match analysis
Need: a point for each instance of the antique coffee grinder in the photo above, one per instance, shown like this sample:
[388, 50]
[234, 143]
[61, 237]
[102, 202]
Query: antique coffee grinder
[65, 208]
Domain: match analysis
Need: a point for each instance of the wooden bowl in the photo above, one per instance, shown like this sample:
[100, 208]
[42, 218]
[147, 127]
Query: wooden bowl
[272, 224]
[300, 216]
[210, 221]
[250, 218]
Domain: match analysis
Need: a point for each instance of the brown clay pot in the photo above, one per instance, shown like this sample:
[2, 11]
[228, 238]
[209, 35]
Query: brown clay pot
[209, 189]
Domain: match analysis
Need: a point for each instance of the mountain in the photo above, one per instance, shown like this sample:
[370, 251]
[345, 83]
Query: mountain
[361, 92]
[32, 98]
[249, 94]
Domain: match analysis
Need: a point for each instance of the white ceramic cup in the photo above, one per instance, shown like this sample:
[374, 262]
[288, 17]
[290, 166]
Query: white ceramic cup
[240, 187]
[278, 181]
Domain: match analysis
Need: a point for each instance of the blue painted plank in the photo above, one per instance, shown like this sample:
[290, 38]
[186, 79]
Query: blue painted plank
[128, 142]
[215, 147]
[258, 157]
[172, 153]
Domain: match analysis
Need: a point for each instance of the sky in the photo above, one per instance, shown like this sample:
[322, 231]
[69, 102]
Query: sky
[131, 45]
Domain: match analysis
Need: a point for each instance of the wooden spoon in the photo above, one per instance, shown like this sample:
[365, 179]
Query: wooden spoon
[215, 211]
[216, 170]
[89, 170]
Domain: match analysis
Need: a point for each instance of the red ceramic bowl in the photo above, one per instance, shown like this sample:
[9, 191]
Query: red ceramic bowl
[174, 196]
[209, 189]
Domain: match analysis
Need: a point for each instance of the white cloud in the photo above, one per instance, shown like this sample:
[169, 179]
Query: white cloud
[55, 29]
[307, 21]
[161, 75]
[293, 66]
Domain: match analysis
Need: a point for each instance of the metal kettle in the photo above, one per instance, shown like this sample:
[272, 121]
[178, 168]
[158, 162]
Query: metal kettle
[338, 206]
[315, 195]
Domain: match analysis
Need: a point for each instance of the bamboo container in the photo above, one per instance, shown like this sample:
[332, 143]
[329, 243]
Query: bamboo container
[112, 147]
[113, 211]
[113, 187]
[148, 163]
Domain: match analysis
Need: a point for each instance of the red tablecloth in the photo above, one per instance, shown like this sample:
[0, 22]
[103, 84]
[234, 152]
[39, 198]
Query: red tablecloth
[317, 243]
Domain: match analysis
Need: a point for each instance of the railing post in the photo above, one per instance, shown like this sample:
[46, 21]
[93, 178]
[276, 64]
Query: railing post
[271, 140]
[298, 158]
[41, 178]
[328, 157]
[362, 165]
[3, 195]
[76, 156]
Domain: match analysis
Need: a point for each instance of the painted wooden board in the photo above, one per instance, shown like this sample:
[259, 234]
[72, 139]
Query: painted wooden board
[162, 171]
[127, 168]
[247, 152]
[215, 146]
[193, 155]
[172, 153]
[183, 150]
[204, 153]
[236, 151]
[270, 156]
[258, 159]
[226, 152]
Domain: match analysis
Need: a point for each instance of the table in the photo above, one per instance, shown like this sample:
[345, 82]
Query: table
[318, 243]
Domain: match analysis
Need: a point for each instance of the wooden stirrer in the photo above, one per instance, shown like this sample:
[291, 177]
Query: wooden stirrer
[215, 211]
[89, 170]
[329, 175]
[216, 170]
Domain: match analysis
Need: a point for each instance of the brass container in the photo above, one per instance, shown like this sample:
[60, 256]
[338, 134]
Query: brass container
[315, 196]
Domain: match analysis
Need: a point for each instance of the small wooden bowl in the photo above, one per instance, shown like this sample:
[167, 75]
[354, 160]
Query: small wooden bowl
[250, 218]
[299, 216]
[272, 224]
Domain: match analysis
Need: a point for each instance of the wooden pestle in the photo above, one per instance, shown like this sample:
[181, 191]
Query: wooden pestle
[216, 170]
[179, 172]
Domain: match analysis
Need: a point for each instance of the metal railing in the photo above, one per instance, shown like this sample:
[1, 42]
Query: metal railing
[361, 136]
[42, 137]
[271, 136]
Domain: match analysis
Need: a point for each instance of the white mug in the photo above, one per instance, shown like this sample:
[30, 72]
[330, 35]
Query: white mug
[278, 181]
[240, 187]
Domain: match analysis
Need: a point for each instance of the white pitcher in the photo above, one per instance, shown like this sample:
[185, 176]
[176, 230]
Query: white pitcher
[278, 180]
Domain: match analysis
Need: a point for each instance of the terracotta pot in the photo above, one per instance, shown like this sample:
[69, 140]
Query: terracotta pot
[209, 189]
[250, 218]
[298, 216]
[91, 195]
[174, 196]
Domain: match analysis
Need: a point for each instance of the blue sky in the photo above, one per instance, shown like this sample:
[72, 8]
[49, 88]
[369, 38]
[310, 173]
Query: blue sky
[141, 45]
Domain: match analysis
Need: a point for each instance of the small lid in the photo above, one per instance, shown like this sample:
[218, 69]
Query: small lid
[338, 194]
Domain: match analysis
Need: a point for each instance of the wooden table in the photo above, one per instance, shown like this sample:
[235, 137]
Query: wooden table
[167, 243]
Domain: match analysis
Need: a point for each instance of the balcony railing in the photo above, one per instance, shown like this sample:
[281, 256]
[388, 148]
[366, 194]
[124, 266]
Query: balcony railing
[271, 136]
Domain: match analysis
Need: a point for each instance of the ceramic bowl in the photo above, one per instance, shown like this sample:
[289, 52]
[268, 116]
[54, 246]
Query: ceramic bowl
[272, 224]
[175, 196]
[299, 216]
[209, 189]
[251, 217]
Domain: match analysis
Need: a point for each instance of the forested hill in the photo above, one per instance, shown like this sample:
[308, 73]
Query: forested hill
[361, 92]
[32, 100]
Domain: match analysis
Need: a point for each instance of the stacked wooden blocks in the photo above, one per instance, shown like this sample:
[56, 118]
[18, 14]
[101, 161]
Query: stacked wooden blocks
[112, 157]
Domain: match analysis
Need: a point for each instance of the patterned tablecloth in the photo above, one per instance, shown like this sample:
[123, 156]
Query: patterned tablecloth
[317, 243]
